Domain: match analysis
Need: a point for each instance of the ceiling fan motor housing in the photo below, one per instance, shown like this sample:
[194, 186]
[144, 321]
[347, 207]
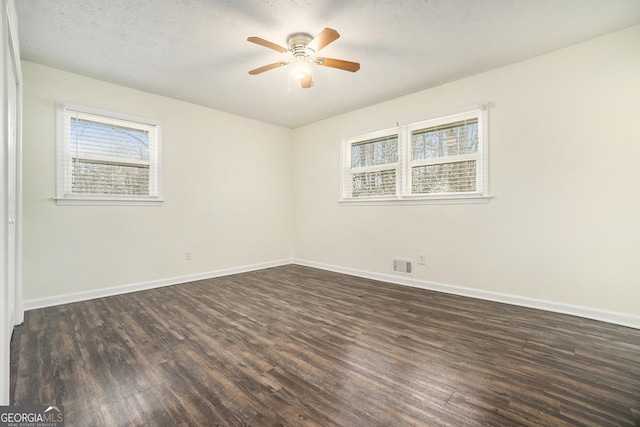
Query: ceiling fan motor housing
[298, 44]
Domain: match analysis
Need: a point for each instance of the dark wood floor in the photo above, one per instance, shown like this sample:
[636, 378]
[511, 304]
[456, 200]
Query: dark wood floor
[299, 346]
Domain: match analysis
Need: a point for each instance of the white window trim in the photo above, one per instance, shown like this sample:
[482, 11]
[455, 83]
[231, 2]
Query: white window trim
[66, 198]
[404, 128]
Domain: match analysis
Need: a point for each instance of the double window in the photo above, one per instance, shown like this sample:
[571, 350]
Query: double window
[441, 158]
[107, 158]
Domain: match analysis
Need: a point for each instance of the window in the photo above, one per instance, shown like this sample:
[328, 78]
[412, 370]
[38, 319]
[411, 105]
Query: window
[107, 158]
[374, 165]
[440, 159]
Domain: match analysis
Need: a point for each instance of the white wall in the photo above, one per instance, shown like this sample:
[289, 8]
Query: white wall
[564, 223]
[227, 186]
[562, 227]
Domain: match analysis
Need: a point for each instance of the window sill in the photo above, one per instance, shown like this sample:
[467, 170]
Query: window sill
[416, 201]
[107, 201]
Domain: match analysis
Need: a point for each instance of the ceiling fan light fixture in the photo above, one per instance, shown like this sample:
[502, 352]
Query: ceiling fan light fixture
[300, 69]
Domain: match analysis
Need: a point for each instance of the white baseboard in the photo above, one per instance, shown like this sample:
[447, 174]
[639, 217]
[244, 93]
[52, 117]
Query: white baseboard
[622, 319]
[117, 290]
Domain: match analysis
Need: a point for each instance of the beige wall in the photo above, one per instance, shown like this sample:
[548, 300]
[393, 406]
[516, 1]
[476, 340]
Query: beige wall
[564, 223]
[227, 186]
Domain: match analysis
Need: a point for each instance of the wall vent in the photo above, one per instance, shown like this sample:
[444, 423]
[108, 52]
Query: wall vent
[402, 266]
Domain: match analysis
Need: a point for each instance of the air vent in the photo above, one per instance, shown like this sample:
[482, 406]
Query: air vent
[402, 266]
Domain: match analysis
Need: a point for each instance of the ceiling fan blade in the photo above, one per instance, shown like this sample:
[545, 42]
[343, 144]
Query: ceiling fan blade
[339, 63]
[307, 82]
[268, 44]
[325, 37]
[267, 68]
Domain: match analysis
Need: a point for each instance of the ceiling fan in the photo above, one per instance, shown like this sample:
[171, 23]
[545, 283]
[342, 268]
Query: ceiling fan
[303, 48]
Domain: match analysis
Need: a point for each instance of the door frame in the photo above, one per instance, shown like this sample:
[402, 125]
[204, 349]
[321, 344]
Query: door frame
[11, 309]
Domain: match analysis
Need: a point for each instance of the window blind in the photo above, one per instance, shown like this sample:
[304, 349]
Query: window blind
[444, 178]
[378, 183]
[109, 156]
[374, 167]
[374, 152]
[444, 158]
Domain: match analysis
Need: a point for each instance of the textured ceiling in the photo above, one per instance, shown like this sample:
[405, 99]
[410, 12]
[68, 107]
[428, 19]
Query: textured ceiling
[196, 50]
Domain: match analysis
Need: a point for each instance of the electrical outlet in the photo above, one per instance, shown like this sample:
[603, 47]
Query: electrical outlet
[187, 255]
[422, 259]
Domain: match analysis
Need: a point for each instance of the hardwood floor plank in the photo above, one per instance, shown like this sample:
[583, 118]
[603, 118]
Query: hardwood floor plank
[160, 399]
[299, 346]
[464, 410]
[123, 412]
[190, 395]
